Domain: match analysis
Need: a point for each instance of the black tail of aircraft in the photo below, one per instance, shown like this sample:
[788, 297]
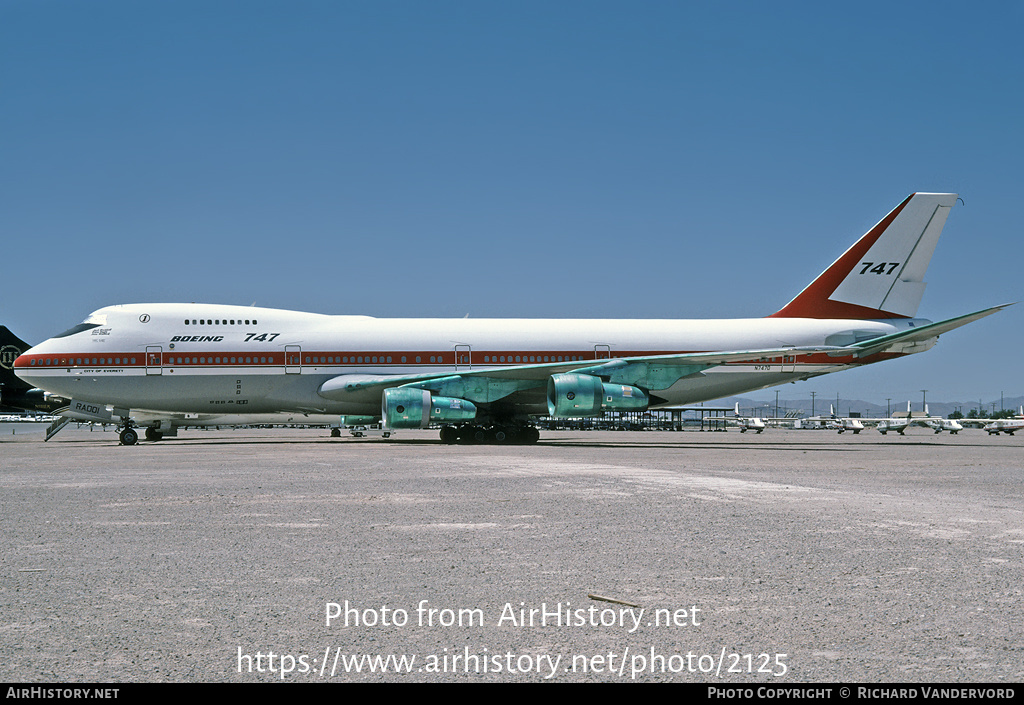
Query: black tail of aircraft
[10, 347]
[16, 395]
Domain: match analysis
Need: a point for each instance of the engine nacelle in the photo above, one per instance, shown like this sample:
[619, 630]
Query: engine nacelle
[350, 420]
[623, 397]
[571, 395]
[406, 407]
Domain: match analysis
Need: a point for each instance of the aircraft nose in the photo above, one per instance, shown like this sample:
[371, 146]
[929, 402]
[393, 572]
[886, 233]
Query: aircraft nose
[33, 358]
[20, 364]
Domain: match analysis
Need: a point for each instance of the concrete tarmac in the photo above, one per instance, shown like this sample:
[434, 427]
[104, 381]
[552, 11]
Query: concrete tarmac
[268, 555]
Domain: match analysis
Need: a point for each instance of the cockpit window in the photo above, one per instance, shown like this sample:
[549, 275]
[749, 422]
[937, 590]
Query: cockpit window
[77, 329]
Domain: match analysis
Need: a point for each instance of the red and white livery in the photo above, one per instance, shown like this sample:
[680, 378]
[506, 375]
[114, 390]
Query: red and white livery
[162, 365]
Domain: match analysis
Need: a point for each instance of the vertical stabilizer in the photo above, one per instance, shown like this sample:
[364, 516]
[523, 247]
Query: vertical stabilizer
[10, 347]
[882, 274]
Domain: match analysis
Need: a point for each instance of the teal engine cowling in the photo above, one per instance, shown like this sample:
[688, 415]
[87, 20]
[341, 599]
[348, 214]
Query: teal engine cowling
[571, 395]
[350, 420]
[407, 407]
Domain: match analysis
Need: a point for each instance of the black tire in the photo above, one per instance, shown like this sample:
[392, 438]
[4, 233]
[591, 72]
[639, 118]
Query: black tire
[129, 437]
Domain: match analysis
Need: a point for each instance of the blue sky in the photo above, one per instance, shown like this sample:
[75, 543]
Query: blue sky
[510, 159]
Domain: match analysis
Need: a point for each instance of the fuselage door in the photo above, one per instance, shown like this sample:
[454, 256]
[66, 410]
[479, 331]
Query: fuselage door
[463, 357]
[292, 359]
[602, 352]
[789, 363]
[154, 360]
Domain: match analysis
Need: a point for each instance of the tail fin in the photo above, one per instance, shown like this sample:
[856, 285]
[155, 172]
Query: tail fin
[882, 274]
[10, 347]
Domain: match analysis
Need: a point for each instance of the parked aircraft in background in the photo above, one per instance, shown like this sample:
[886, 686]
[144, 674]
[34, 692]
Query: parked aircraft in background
[832, 422]
[900, 423]
[939, 425]
[485, 379]
[1007, 426]
[748, 423]
[842, 424]
[15, 394]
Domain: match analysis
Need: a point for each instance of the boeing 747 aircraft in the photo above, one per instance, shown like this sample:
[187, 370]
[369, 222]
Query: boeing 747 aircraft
[485, 379]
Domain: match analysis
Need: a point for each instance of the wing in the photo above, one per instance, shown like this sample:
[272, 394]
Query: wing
[488, 385]
[581, 387]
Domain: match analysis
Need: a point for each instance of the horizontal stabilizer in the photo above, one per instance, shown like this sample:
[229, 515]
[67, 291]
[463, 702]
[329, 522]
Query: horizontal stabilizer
[922, 333]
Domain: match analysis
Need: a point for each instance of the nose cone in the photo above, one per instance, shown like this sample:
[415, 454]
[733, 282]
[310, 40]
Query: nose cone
[31, 364]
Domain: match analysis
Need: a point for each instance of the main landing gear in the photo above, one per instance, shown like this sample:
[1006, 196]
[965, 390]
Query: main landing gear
[128, 433]
[522, 435]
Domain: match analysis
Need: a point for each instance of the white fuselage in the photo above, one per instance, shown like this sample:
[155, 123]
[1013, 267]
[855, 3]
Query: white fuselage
[1009, 426]
[207, 358]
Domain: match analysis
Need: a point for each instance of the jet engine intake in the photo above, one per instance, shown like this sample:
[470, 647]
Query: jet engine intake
[572, 395]
[407, 407]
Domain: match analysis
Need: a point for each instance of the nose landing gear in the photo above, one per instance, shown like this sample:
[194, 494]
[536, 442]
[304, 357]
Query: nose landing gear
[128, 435]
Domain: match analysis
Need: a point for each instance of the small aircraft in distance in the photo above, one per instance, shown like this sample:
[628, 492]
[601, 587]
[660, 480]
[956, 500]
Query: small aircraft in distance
[845, 424]
[833, 422]
[901, 423]
[749, 423]
[1007, 426]
[939, 425]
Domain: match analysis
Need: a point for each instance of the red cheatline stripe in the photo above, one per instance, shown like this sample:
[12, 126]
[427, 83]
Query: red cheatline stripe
[313, 359]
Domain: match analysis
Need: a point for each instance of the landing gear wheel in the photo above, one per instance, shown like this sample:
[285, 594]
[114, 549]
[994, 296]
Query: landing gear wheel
[129, 437]
[449, 434]
[530, 434]
[151, 435]
[335, 433]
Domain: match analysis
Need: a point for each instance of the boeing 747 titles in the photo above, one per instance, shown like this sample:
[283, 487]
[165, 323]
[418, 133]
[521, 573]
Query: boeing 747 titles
[484, 380]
